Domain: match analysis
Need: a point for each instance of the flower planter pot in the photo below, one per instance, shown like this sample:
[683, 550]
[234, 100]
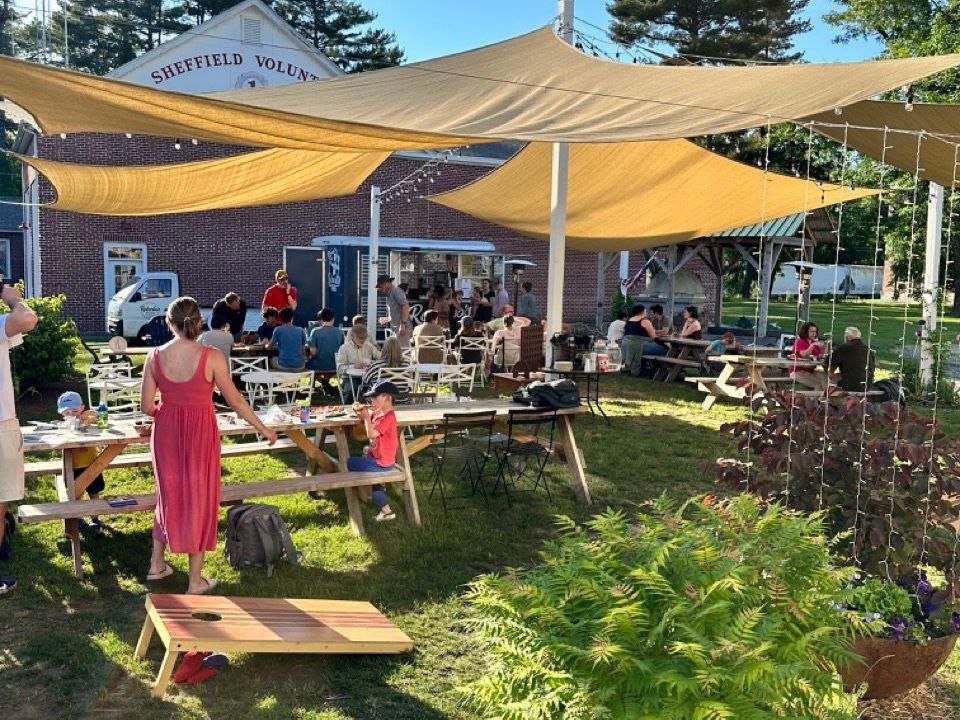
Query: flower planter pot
[891, 667]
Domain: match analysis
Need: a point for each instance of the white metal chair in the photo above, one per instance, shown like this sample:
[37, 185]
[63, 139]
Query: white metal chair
[240, 365]
[457, 375]
[430, 342]
[403, 378]
[120, 395]
[298, 388]
[478, 344]
[101, 372]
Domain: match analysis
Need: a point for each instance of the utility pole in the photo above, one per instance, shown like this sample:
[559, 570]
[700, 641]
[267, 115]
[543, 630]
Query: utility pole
[373, 269]
[931, 282]
[559, 176]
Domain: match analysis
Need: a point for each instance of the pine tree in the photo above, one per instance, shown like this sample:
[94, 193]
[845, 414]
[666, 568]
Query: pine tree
[102, 34]
[335, 27]
[712, 29]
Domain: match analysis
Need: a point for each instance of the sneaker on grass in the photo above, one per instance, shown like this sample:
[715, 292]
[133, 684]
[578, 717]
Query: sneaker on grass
[381, 516]
[7, 583]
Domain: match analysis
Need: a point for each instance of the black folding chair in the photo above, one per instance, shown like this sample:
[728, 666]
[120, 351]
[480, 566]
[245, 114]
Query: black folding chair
[463, 445]
[524, 452]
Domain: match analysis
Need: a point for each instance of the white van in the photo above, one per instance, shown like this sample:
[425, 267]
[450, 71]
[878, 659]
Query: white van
[138, 302]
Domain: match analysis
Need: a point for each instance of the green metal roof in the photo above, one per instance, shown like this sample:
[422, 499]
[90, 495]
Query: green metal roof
[787, 226]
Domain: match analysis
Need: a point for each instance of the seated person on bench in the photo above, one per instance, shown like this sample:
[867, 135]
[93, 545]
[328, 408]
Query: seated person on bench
[290, 342]
[639, 338]
[855, 362]
[807, 346]
[381, 455]
[70, 405]
[726, 343]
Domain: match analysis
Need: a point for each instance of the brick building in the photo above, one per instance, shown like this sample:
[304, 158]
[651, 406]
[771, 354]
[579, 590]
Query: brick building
[89, 257]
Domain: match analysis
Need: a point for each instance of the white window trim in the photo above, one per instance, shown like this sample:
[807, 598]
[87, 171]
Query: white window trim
[7, 271]
[107, 277]
[111, 244]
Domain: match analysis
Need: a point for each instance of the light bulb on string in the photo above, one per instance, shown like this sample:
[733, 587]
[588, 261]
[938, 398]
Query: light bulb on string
[176, 144]
[838, 111]
[194, 141]
[63, 136]
[128, 135]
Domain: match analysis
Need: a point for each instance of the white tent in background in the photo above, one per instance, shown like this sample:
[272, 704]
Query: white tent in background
[863, 281]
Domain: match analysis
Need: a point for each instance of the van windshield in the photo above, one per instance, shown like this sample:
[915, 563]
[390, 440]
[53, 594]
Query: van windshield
[128, 289]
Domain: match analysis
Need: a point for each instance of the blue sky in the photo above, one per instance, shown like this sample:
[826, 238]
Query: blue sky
[430, 28]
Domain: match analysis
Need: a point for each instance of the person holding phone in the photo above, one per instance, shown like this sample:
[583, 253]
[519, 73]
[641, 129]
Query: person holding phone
[21, 319]
[281, 294]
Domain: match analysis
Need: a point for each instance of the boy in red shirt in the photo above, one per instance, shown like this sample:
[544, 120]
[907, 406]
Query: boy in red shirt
[381, 454]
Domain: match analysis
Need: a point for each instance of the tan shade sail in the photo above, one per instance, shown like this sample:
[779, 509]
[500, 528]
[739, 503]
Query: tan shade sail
[258, 178]
[863, 123]
[629, 196]
[533, 87]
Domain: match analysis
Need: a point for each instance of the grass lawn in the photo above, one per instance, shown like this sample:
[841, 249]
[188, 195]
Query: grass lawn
[67, 645]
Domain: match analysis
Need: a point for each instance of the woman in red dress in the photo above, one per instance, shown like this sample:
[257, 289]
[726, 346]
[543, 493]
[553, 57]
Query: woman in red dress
[185, 443]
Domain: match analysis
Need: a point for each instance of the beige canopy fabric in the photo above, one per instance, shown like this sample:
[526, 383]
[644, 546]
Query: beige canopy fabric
[533, 88]
[863, 123]
[257, 178]
[629, 196]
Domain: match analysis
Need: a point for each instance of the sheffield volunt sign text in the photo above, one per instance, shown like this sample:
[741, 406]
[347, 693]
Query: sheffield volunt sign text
[234, 59]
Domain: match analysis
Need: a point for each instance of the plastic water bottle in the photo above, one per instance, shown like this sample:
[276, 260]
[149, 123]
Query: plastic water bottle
[102, 416]
[305, 414]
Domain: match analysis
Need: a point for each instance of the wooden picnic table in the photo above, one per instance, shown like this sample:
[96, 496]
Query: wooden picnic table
[122, 434]
[681, 352]
[432, 414]
[757, 369]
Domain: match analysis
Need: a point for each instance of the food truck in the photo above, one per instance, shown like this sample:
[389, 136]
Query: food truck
[332, 272]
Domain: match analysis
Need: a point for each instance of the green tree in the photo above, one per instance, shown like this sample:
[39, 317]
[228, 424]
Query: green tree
[337, 28]
[909, 28]
[713, 29]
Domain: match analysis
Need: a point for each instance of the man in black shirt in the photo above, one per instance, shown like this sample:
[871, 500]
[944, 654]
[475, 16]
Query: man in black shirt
[483, 302]
[855, 361]
[233, 310]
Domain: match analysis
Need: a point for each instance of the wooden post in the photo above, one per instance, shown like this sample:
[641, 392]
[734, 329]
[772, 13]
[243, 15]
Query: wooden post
[353, 500]
[409, 490]
[146, 634]
[578, 478]
[166, 670]
[72, 525]
[763, 287]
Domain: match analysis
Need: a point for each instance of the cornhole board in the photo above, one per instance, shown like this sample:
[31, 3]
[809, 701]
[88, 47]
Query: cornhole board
[263, 625]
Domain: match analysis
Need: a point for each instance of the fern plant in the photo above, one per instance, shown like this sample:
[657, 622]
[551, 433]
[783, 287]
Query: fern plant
[702, 612]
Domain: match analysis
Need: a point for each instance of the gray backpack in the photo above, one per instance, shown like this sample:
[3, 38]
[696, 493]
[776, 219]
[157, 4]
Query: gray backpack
[257, 535]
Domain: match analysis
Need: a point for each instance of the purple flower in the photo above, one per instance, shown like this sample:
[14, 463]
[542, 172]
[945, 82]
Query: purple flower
[955, 618]
[898, 628]
[924, 587]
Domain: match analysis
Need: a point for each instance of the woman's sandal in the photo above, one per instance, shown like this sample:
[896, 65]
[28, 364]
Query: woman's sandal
[166, 572]
[210, 585]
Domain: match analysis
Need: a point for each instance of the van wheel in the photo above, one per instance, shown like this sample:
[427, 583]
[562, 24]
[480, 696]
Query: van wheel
[142, 336]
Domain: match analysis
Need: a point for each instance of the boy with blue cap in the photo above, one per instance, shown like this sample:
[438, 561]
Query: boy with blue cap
[380, 423]
[70, 404]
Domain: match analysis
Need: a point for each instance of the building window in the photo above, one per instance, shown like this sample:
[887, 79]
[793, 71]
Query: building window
[122, 262]
[5, 262]
[250, 28]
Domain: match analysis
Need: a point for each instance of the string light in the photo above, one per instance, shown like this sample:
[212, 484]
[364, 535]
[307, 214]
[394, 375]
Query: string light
[756, 316]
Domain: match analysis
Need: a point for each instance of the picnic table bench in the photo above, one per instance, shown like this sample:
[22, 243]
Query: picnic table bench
[263, 625]
[756, 375]
[681, 353]
[323, 471]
